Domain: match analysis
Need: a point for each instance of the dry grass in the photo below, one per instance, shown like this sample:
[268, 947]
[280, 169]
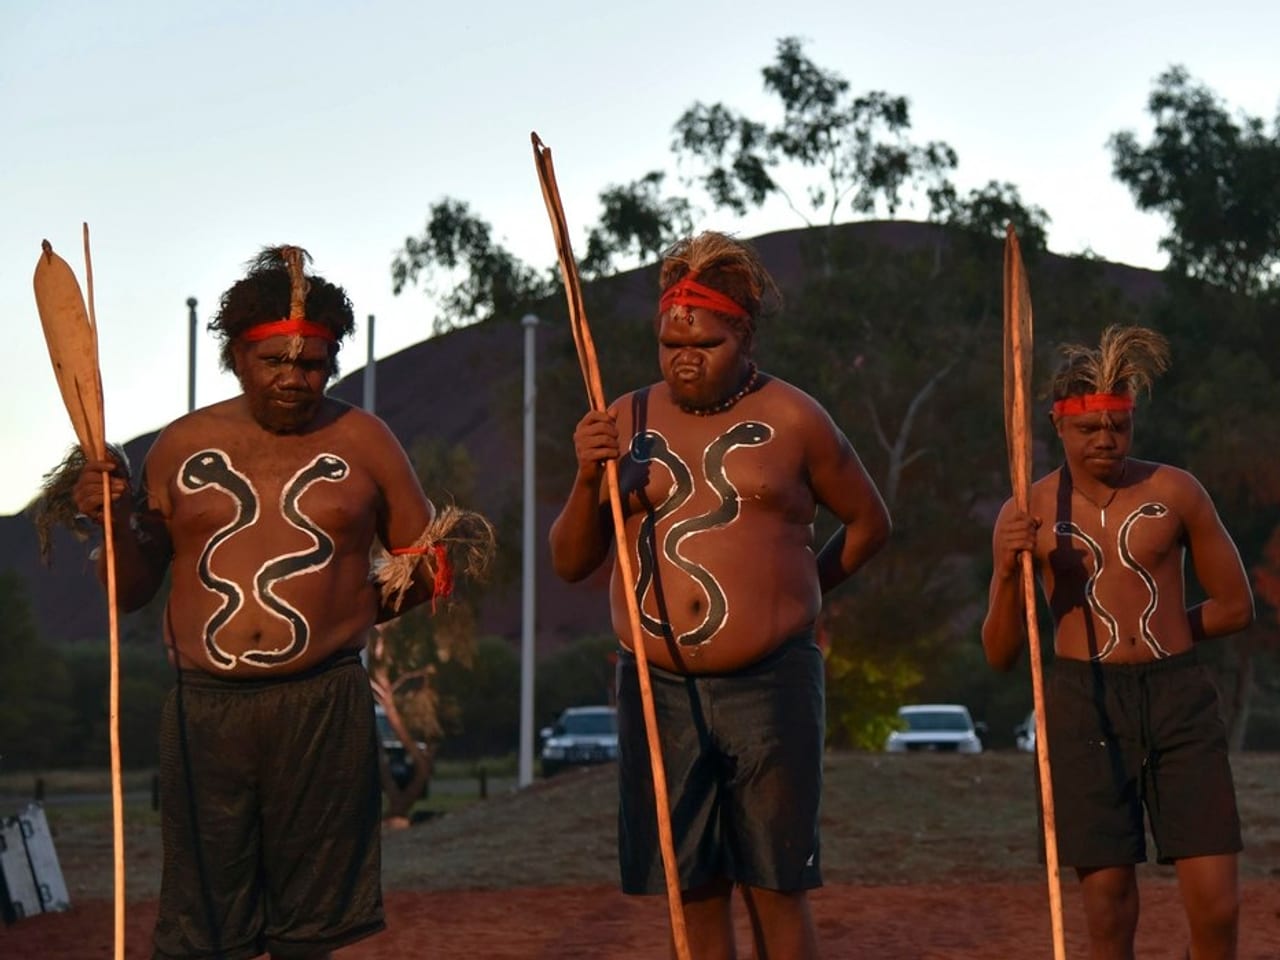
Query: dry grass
[886, 820]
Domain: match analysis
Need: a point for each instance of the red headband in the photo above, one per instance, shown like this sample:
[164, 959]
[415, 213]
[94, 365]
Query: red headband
[286, 328]
[687, 292]
[1092, 403]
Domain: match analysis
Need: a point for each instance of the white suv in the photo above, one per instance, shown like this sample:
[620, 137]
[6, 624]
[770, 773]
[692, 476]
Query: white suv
[582, 735]
[939, 727]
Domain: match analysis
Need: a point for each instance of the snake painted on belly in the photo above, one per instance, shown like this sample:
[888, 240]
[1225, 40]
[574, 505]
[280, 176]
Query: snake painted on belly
[1126, 557]
[327, 467]
[1069, 528]
[647, 447]
[653, 446]
[211, 469]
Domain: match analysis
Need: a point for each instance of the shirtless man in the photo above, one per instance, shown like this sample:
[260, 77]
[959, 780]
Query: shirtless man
[264, 509]
[1132, 717]
[722, 469]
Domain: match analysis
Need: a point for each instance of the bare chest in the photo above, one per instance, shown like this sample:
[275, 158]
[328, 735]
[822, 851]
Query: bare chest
[268, 494]
[714, 470]
[1133, 533]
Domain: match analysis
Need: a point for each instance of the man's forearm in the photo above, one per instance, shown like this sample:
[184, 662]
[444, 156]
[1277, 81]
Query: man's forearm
[1004, 629]
[845, 553]
[1213, 618]
[136, 572]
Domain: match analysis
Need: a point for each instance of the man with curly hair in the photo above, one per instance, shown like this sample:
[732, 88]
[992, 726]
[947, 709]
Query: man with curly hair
[264, 509]
[1132, 717]
[722, 469]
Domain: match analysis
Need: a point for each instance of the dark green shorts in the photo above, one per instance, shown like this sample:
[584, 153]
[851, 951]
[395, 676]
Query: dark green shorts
[1128, 737]
[743, 762]
[270, 814]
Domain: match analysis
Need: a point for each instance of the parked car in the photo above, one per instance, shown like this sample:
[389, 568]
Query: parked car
[399, 759]
[940, 727]
[582, 735]
[1024, 734]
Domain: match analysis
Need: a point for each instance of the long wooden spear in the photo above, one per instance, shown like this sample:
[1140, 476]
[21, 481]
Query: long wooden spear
[595, 394]
[71, 333]
[1017, 423]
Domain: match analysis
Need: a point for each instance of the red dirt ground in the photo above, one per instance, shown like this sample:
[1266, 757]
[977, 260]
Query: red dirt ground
[927, 922]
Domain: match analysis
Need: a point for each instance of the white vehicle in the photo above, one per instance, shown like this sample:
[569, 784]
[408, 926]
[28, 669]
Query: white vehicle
[1024, 734]
[936, 727]
[582, 735]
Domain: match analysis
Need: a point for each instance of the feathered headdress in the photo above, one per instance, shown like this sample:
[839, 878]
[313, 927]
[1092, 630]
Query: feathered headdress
[1125, 363]
[715, 271]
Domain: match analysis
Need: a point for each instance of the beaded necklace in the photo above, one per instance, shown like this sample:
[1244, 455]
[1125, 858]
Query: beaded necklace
[753, 378]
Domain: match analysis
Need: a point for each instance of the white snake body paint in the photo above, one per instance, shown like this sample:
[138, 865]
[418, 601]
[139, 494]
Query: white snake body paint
[324, 467]
[1144, 621]
[1072, 529]
[652, 446]
[1068, 528]
[213, 469]
[645, 448]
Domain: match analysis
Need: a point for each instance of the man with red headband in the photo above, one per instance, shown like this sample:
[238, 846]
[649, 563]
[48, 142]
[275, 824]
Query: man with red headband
[722, 469]
[264, 509]
[1132, 718]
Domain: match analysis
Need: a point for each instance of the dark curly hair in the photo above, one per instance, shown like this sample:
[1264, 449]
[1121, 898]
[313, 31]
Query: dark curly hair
[264, 296]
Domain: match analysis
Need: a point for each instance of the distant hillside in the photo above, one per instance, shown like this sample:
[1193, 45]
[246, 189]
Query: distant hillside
[466, 388]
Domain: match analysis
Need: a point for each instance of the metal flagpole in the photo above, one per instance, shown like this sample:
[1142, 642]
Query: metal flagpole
[370, 373]
[530, 324]
[191, 354]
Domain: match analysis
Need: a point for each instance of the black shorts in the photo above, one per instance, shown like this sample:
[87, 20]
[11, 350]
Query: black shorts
[743, 760]
[270, 812]
[1127, 736]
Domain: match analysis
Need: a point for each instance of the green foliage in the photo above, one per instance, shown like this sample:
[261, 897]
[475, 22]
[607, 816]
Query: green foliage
[988, 210]
[457, 248]
[637, 224]
[1215, 178]
[864, 692]
[35, 714]
[857, 145]
[483, 701]
[578, 674]
[146, 677]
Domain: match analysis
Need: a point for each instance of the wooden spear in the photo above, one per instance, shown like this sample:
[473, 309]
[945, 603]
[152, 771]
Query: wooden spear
[595, 394]
[71, 334]
[1017, 423]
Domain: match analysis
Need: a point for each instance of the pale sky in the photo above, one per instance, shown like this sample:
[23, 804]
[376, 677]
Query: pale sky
[190, 135]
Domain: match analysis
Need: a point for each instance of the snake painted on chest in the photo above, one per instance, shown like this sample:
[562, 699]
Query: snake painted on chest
[1127, 558]
[213, 469]
[1075, 531]
[651, 446]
